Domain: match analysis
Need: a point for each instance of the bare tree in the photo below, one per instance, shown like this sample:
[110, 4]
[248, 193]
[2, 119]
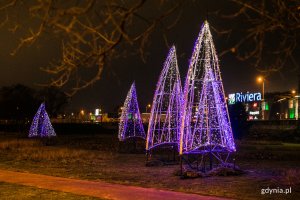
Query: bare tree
[91, 32]
[268, 35]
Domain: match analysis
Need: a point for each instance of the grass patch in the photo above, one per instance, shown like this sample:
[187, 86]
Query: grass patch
[97, 157]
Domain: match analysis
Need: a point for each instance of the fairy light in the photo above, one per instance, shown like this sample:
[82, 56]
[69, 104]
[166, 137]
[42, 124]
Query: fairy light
[164, 123]
[130, 124]
[41, 125]
[205, 119]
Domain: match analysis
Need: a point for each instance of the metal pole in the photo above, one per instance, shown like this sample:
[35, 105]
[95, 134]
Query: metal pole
[263, 89]
[181, 168]
[210, 159]
[147, 155]
[174, 152]
[263, 96]
[135, 144]
[204, 164]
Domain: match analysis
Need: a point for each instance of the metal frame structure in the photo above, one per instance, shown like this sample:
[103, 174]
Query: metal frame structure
[164, 123]
[131, 125]
[205, 126]
[41, 125]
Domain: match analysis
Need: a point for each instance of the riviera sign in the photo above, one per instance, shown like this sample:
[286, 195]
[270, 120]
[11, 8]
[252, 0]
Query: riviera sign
[243, 98]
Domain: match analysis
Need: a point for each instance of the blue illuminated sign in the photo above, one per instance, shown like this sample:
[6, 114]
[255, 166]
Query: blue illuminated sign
[243, 98]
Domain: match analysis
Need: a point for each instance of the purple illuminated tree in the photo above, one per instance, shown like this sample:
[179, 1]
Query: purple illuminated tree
[41, 125]
[164, 123]
[130, 122]
[205, 121]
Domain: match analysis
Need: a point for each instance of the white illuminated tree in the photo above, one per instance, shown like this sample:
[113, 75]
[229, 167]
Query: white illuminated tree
[41, 125]
[131, 124]
[205, 121]
[164, 123]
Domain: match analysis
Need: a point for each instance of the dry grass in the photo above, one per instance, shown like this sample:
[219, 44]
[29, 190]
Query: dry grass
[97, 157]
[19, 143]
[35, 150]
[289, 177]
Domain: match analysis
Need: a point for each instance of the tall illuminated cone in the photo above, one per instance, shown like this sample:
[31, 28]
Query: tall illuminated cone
[130, 122]
[41, 125]
[164, 123]
[205, 120]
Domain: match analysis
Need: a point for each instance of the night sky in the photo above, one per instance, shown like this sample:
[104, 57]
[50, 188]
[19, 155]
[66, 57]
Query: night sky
[117, 77]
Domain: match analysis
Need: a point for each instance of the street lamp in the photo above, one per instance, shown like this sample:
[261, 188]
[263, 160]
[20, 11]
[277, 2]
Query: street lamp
[261, 79]
[295, 103]
[82, 112]
[148, 107]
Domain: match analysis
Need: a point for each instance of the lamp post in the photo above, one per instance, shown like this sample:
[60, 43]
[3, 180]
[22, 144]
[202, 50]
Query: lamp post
[295, 103]
[261, 79]
[82, 113]
[148, 107]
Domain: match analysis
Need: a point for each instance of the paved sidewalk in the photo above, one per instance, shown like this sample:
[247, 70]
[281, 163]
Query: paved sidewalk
[95, 188]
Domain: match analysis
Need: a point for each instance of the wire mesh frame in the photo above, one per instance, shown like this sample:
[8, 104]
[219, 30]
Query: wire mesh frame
[41, 125]
[205, 119]
[205, 160]
[164, 123]
[130, 125]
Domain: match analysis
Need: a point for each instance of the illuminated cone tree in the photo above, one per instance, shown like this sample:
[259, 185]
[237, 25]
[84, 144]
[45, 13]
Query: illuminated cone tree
[41, 125]
[205, 121]
[130, 122]
[164, 123]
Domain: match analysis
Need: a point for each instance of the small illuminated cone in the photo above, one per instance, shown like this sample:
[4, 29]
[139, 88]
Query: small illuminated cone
[164, 123]
[131, 124]
[205, 122]
[41, 125]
